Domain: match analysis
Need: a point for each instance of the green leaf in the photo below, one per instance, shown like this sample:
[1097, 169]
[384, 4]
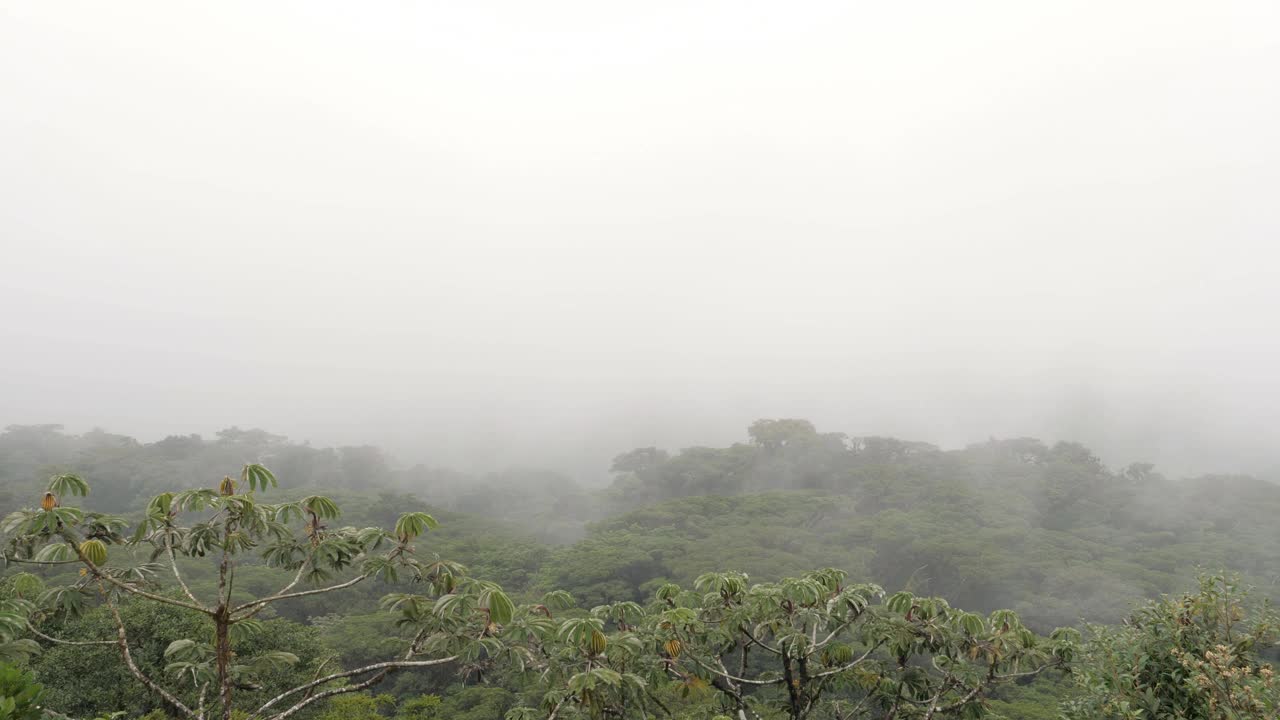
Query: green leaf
[274, 660]
[558, 600]
[68, 484]
[411, 525]
[900, 602]
[322, 506]
[160, 504]
[68, 601]
[498, 604]
[971, 623]
[246, 630]
[179, 648]
[257, 476]
[60, 552]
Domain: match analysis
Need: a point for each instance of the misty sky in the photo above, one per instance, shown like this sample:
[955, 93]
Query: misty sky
[480, 233]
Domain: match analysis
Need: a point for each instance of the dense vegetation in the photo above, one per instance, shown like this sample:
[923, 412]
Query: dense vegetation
[685, 587]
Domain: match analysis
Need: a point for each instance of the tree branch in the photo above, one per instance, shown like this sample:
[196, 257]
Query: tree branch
[303, 593]
[992, 680]
[727, 676]
[383, 667]
[173, 563]
[60, 641]
[122, 640]
[297, 578]
[753, 639]
[143, 593]
[839, 629]
[852, 664]
[942, 690]
[101, 575]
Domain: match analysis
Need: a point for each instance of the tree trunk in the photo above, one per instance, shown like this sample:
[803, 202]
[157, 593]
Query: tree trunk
[222, 646]
[793, 688]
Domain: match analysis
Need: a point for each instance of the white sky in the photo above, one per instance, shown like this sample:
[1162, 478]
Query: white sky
[483, 232]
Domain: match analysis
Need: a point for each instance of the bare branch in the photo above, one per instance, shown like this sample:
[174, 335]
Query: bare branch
[965, 700]
[934, 708]
[204, 689]
[382, 668]
[852, 664]
[302, 593]
[1028, 673]
[60, 641]
[992, 679]
[122, 640]
[102, 575]
[839, 629]
[753, 639]
[143, 593]
[173, 563]
[297, 578]
[318, 681]
[727, 676]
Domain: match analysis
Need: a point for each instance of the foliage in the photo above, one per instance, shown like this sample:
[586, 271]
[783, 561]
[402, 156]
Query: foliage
[13, 625]
[802, 646]
[20, 694]
[1046, 530]
[358, 707]
[215, 656]
[1192, 656]
[459, 703]
[91, 679]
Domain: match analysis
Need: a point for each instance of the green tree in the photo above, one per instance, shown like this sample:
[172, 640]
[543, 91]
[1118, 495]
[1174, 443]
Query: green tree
[228, 526]
[1189, 656]
[773, 435]
[804, 647]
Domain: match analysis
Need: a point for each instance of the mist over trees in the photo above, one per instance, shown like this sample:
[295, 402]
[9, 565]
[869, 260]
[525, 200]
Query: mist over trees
[621, 593]
[571, 360]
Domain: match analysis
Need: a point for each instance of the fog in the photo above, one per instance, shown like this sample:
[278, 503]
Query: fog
[543, 233]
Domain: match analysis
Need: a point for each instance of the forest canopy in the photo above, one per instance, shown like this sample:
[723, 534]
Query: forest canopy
[527, 594]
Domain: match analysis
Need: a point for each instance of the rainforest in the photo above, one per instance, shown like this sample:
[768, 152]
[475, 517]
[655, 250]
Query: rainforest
[795, 574]
[667, 360]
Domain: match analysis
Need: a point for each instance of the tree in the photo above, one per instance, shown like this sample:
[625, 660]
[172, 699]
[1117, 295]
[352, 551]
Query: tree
[807, 646]
[639, 460]
[581, 667]
[228, 526]
[774, 435]
[1189, 656]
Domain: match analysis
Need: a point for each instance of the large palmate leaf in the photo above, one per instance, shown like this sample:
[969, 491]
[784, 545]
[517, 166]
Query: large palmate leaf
[497, 603]
[257, 477]
[321, 506]
[412, 524]
[65, 484]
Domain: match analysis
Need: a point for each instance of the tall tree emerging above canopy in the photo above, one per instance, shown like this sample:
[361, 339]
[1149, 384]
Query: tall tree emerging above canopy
[776, 434]
[228, 525]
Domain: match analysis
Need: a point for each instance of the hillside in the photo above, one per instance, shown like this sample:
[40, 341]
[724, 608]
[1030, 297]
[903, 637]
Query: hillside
[1046, 530]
